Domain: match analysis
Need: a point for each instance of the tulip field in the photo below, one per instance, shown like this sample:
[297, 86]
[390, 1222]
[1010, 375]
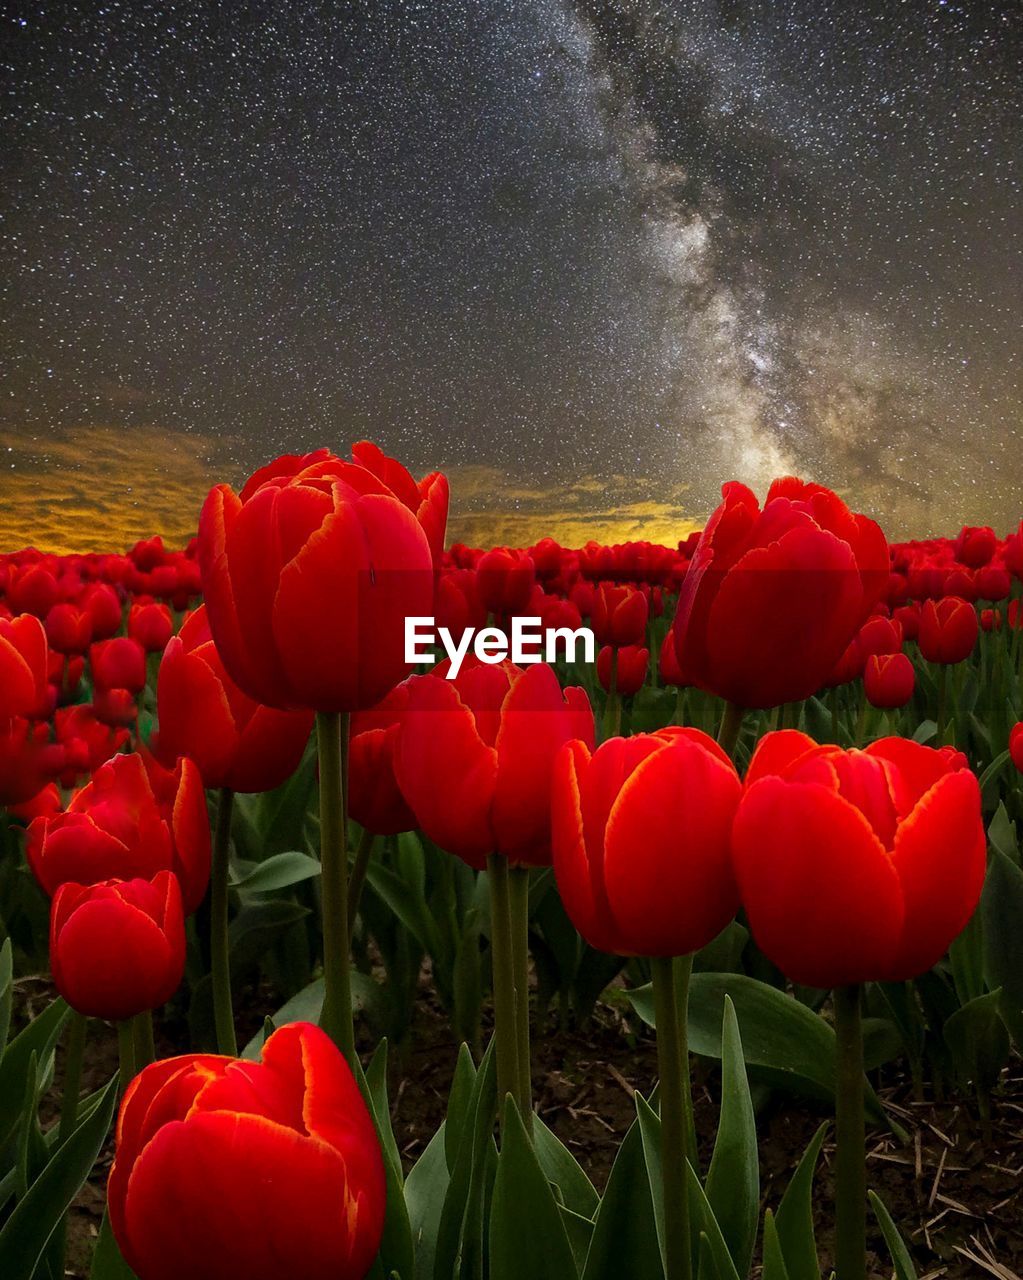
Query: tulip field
[699, 958]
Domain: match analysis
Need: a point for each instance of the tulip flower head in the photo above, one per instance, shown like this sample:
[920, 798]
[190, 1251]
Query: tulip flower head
[857, 866]
[226, 1167]
[641, 841]
[773, 597]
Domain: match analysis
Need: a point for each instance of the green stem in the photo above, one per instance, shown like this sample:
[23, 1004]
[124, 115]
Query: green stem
[683, 974]
[145, 1045]
[74, 1053]
[505, 1027]
[358, 877]
[613, 706]
[942, 702]
[518, 883]
[673, 1069]
[126, 1053]
[833, 701]
[731, 723]
[220, 954]
[850, 1159]
[336, 1015]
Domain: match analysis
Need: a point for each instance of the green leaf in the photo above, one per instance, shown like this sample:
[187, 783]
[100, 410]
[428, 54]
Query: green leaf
[460, 1098]
[794, 1223]
[978, 1041]
[733, 1180]
[522, 1195]
[107, 1262]
[396, 1251]
[966, 955]
[37, 1215]
[376, 1081]
[460, 1233]
[280, 871]
[1001, 834]
[6, 992]
[904, 1269]
[925, 731]
[650, 1131]
[39, 1037]
[563, 1170]
[257, 925]
[707, 1223]
[774, 1261]
[407, 903]
[425, 1192]
[624, 1239]
[580, 1234]
[1002, 909]
[784, 1043]
[994, 768]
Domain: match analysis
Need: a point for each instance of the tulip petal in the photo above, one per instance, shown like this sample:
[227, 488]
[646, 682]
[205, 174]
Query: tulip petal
[820, 891]
[941, 858]
[667, 871]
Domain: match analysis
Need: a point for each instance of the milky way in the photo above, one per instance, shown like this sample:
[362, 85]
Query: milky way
[588, 256]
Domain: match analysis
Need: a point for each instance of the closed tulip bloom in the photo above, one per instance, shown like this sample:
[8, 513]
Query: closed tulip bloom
[641, 841]
[115, 707]
[879, 635]
[132, 819]
[119, 663]
[104, 608]
[630, 673]
[671, 672]
[620, 615]
[151, 625]
[27, 759]
[857, 866]
[908, 618]
[993, 582]
[948, 630]
[118, 948]
[235, 741]
[475, 755]
[68, 628]
[888, 679]
[375, 800]
[1016, 745]
[975, 546]
[504, 581]
[24, 667]
[32, 589]
[308, 576]
[773, 597]
[225, 1167]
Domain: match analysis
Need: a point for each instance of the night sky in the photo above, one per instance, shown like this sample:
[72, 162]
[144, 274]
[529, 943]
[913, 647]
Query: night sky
[590, 258]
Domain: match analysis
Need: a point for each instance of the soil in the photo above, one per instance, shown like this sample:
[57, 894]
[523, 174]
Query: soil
[955, 1189]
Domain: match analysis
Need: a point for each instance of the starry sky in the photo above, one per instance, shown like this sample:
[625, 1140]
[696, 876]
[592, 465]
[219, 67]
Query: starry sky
[591, 257]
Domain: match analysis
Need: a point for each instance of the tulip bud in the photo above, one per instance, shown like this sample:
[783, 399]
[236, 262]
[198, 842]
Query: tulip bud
[117, 948]
[888, 679]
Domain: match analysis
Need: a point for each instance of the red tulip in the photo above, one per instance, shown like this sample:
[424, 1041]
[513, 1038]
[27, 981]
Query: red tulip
[309, 576]
[235, 741]
[26, 761]
[32, 589]
[115, 707]
[975, 546]
[772, 598]
[888, 679]
[258, 1169]
[908, 618]
[24, 669]
[504, 581]
[68, 628]
[993, 582]
[132, 819]
[475, 755]
[948, 630]
[103, 606]
[119, 663]
[375, 800]
[857, 866]
[1016, 745]
[117, 948]
[151, 625]
[631, 671]
[671, 672]
[641, 841]
[85, 740]
[620, 615]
